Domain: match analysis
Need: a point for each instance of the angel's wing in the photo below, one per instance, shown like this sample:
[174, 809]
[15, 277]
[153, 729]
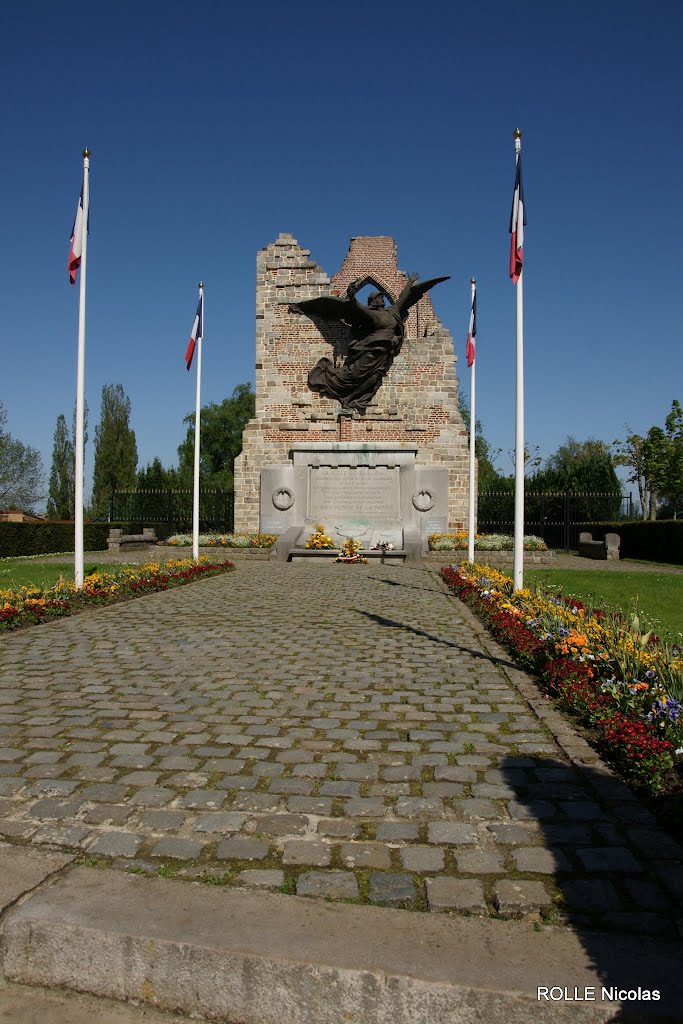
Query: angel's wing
[328, 307]
[409, 296]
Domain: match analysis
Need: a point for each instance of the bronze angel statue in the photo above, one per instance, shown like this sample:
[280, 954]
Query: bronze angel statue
[378, 332]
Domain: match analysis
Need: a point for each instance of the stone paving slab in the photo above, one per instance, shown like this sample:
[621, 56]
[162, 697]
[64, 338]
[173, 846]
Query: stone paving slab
[309, 718]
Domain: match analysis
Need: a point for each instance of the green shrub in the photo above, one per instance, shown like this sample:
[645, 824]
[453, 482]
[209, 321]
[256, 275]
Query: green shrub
[18, 539]
[659, 540]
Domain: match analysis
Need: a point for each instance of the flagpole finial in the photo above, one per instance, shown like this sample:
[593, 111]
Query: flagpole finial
[86, 153]
[201, 284]
[517, 134]
[473, 280]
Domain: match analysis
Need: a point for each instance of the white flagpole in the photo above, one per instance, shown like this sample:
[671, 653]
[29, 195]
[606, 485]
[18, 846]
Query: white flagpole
[473, 421]
[195, 499]
[518, 566]
[80, 386]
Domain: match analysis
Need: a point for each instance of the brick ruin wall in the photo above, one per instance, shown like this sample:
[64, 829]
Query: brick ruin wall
[417, 402]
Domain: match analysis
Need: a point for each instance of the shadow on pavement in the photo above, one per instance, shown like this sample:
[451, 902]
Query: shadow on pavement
[382, 620]
[620, 880]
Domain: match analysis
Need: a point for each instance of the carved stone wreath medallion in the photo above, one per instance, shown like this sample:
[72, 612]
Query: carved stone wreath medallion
[283, 498]
[424, 500]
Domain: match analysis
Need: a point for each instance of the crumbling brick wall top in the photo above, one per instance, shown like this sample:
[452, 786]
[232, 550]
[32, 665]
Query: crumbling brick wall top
[375, 256]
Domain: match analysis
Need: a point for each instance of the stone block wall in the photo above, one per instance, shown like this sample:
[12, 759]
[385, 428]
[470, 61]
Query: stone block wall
[417, 403]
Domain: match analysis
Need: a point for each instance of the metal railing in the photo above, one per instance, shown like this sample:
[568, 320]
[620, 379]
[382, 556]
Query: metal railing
[170, 511]
[556, 516]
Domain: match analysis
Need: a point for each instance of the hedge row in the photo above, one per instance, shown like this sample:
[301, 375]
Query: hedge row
[43, 538]
[659, 540]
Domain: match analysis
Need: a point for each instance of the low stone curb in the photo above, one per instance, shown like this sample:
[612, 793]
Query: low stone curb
[232, 956]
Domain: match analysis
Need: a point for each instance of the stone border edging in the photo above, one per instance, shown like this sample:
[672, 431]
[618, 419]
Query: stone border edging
[230, 955]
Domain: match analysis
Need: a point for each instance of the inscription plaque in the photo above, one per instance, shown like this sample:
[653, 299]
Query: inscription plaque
[362, 492]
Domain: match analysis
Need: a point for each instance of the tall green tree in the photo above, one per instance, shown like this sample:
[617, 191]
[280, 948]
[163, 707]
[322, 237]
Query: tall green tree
[116, 453]
[630, 453]
[221, 427]
[663, 453]
[60, 502]
[488, 477]
[21, 471]
[656, 464]
[586, 466]
[154, 477]
[673, 489]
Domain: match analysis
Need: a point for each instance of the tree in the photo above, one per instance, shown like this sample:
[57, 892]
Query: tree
[673, 489]
[532, 459]
[488, 477]
[583, 466]
[60, 500]
[663, 454]
[631, 453]
[221, 429]
[116, 452]
[21, 471]
[153, 477]
[656, 464]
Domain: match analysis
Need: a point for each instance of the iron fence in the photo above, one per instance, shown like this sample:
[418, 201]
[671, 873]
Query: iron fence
[556, 516]
[171, 511]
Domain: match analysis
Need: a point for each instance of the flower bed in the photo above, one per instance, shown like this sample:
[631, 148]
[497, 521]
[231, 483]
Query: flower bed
[222, 540]
[30, 605]
[625, 683]
[483, 542]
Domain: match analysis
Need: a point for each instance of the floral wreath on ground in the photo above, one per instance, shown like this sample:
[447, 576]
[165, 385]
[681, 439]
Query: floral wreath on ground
[350, 552]
[622, 681]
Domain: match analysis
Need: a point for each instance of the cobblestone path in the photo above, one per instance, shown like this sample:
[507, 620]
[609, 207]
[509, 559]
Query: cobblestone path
[339, 731]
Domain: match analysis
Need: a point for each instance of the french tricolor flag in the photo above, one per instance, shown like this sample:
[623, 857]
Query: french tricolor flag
[197, 332]
[517, 222]
[76, 241]
[472, 333]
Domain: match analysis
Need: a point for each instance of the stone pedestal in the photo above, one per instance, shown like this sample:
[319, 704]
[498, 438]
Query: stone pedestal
[374, 493]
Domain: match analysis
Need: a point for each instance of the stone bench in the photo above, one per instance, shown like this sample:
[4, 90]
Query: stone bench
[120, 541]
[607, 548]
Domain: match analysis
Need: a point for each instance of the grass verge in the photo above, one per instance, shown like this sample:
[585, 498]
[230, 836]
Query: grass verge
[656, 595]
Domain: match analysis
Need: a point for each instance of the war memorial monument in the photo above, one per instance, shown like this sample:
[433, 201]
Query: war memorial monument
[357, 423]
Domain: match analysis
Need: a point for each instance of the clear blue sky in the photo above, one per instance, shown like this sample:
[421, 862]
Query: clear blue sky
[214, 126]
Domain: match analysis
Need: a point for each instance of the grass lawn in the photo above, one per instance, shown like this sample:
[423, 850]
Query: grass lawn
[25, 572]
[658, 596]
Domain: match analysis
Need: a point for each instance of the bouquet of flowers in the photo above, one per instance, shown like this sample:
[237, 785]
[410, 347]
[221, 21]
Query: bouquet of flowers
[319, 540]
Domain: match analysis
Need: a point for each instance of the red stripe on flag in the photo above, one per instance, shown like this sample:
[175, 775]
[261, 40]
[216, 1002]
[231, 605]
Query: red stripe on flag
[76, 247]
[516, 258]
[191, 346]
[73, 265]
[470, 350]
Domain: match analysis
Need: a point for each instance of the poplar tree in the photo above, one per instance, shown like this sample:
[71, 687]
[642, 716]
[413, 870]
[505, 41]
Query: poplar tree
[116, 453]
[60, 502]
